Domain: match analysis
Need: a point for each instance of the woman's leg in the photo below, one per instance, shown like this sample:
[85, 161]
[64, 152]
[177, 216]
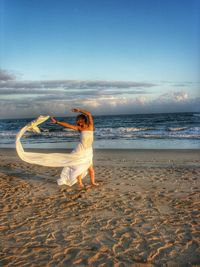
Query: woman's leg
[79, 178]
[91, 172]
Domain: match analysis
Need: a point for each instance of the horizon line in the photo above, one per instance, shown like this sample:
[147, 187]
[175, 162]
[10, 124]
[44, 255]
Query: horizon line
[108, 115]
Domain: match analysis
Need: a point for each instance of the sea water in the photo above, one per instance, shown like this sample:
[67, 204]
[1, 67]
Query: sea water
[135, 131]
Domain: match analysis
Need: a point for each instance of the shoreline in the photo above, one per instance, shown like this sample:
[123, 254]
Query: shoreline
[107, 149]
[137, 144]
[127, 157]
[132, 156]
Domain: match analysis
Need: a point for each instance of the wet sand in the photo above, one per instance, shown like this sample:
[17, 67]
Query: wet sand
[145, 212]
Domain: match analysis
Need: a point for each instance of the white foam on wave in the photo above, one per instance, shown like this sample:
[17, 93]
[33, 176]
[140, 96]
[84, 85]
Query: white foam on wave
[196, 115]
[121, 130]
[8, 134]
[134, 129]
[176, 129]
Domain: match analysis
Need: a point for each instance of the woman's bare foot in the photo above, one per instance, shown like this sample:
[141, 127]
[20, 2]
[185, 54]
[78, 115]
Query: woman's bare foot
[81, 185]
[94, 184]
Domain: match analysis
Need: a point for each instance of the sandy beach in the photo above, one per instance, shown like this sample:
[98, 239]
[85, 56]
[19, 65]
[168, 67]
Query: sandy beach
[145, 211]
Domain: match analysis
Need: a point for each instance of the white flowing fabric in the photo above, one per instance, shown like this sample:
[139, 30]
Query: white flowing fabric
[75, 163]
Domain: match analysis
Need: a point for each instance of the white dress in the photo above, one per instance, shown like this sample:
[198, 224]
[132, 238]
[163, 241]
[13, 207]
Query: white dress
[75, 163]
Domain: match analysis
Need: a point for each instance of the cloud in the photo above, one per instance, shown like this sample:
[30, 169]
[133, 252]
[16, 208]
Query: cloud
[53, 90]
[141, 100]
[32, 98]
[6, 76]
[72, 85]
[103, 105]
[8, 82]
[56, 93]
[180, 96]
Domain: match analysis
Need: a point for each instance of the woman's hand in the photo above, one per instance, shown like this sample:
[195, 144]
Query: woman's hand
[53, 120]
[75, 110]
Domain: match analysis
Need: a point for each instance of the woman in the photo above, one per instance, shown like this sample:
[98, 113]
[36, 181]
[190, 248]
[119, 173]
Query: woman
[85, 125]
[77, 163]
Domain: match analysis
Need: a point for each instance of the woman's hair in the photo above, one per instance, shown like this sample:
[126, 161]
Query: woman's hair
[82, 117]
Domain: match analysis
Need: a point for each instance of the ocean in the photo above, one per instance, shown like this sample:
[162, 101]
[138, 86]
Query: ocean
[137, 131]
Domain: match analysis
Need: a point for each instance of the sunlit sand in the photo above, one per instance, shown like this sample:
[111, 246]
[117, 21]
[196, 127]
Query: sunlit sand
[145, 210]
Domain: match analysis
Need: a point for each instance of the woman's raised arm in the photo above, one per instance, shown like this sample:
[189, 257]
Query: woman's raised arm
[64, 124]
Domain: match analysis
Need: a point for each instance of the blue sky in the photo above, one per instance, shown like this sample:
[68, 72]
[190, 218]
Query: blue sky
[123, 56]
